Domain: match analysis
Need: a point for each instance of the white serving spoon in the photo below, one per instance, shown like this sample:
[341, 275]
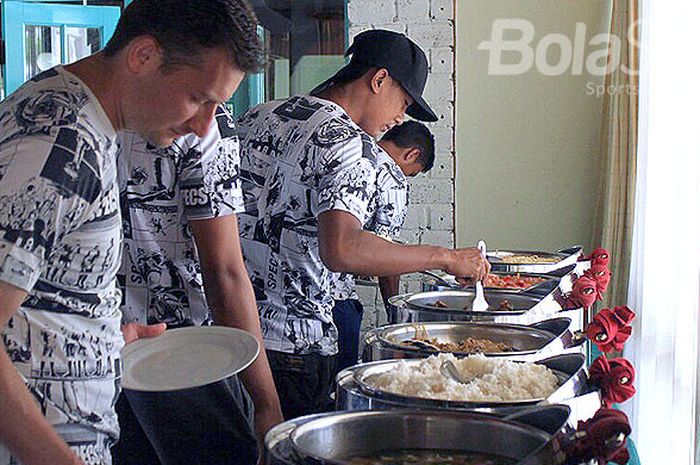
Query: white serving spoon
[479, 303]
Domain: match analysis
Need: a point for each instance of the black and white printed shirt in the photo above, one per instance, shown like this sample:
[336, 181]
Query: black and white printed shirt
[390, 214]
[161, 190]
[299, 158]
[60, 238]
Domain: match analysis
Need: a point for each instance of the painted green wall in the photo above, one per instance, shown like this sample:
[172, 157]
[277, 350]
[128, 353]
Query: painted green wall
[527, 145]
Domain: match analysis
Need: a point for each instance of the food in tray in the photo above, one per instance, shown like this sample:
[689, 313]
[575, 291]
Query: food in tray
[527, 258]
[492, 379]
[511, 281]
[470, 345]
[427, 457]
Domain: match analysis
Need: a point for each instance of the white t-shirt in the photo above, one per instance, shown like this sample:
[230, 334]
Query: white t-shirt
[299, 158]
[161, 190]
[60, 239]
[390, 213]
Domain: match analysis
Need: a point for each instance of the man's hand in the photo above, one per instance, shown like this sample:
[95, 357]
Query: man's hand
[467, 263]
[134, 331]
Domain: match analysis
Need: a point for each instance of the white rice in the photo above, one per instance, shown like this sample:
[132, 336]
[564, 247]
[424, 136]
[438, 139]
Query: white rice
[492, 379]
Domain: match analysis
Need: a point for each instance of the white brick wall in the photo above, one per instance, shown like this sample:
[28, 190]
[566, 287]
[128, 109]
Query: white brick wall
[430, 23]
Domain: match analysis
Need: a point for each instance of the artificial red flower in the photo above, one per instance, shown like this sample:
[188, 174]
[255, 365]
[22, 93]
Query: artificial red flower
[601, 275]
[606, 436]
[603, 330]
[599, 256]
[584, 292]
[621, 457]
[614, 377]
[624, 314]
[623, 333]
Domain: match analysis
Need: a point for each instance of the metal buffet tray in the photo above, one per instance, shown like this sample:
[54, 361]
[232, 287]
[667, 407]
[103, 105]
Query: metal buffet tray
[532, 307]
[527, 437]
[441, 282]
[530, 342]
[355, 393]
[461, 301]
[565, 257]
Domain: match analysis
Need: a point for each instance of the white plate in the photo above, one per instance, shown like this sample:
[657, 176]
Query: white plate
[187, 357]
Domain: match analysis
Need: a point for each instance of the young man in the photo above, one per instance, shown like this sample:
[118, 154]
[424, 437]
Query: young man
[308, 166]
[179, 207]
[169, 65]
[405, 151]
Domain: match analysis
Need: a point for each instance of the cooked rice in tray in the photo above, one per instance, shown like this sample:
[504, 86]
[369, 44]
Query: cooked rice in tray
[492, 380]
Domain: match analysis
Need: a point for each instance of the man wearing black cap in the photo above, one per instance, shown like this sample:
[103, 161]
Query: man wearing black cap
[308, 166]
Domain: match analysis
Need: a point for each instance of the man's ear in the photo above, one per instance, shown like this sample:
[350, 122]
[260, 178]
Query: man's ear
[379, 79]
[144, 55]
[411, 155]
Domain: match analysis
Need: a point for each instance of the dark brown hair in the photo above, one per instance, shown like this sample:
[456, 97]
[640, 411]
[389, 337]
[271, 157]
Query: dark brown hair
[185, 28]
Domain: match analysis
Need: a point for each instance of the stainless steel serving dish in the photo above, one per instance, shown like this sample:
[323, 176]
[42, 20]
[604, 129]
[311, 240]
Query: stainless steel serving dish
[530, 342]
[461, 301]
[574, 390]
[443, 282]
[564, 258]
[528, 307]
[528, 438]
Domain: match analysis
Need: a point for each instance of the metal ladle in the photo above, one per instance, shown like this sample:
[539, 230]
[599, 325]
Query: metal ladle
[450, 371]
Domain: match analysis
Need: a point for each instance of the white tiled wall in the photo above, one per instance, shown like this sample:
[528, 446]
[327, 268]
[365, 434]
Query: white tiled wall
[430, 23]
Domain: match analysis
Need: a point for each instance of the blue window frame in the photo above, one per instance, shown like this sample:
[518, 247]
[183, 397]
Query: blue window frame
[54, 21]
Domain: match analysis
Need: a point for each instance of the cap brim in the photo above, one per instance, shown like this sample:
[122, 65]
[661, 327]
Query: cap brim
[420, 110]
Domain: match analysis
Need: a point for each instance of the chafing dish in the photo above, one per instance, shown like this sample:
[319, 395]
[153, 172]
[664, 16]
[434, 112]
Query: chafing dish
[531, 342]
[555, 261]
[528, 307]
[527, 438]
[442, 282]
[574, 390]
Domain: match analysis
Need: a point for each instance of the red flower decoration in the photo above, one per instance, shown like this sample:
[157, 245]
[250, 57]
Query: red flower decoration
[624, 314]
[621, 457]
[605, 437]
[610, 329]
[602, 331]
[601, 275]
[614, 377]
[584, 293]
[599, 256]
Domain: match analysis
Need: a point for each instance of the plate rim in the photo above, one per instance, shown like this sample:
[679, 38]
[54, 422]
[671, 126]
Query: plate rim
[144, 343]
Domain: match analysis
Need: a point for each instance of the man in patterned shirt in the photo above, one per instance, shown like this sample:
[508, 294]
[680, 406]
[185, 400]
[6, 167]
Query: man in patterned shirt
[179, 207]
[163, 73]
[405, 151]
[308, 166]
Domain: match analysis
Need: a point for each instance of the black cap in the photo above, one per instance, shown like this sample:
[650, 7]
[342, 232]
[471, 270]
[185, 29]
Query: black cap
[399, 55]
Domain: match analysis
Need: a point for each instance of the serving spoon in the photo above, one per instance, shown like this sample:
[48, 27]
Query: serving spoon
[479, 303]
[450, 371]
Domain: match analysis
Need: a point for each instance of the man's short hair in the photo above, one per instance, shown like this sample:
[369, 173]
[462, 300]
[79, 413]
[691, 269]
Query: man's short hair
[185, 28]
[413, 134]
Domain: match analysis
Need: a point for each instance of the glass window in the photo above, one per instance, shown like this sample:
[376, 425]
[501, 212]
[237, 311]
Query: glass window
[43, 49]
[81, 42]
[306, 42]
